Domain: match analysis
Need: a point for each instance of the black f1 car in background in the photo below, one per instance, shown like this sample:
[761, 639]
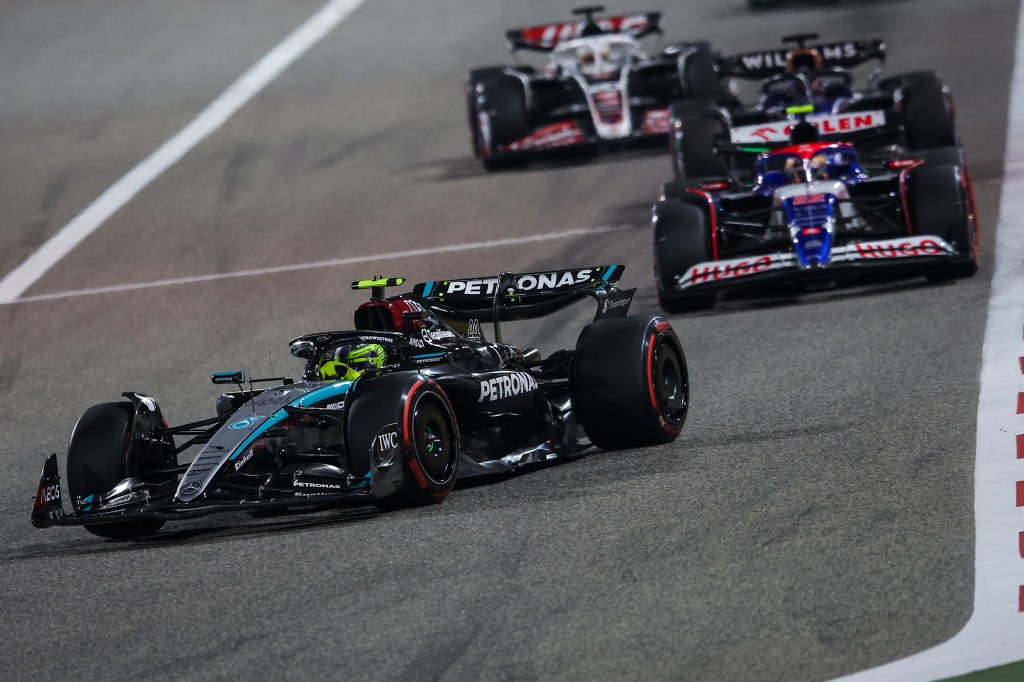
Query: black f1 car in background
[599, 87]
[814, 212]
[438, 402]
[909, 112]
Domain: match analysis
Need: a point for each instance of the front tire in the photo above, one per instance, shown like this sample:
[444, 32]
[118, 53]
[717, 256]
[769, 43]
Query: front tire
[629, 382]
[505, 119]
[98, 460]
[681, 240]
[418, 410]
[941, 203]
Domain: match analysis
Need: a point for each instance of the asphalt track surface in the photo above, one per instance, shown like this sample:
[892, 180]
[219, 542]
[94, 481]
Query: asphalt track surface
[814, 519]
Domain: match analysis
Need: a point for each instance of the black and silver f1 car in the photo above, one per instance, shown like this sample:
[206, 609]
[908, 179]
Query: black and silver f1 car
[438, 403]
[814, 212]
[599, 87]
[909, 112]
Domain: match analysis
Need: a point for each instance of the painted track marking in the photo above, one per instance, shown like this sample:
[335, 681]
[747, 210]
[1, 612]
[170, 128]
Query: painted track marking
[994, 635]
[259, 76]
[410, 253]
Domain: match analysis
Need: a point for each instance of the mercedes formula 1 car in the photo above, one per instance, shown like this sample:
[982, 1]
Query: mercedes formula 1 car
[599, 87]
[390, 413]
[908, 112]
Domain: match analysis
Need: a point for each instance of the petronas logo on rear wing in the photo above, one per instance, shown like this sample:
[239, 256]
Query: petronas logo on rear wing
[527, 285]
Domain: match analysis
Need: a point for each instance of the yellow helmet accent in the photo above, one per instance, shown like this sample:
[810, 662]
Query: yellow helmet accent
[349, 362]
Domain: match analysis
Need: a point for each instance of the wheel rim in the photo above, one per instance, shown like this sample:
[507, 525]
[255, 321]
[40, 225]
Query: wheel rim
[434, 447]
[671, 386]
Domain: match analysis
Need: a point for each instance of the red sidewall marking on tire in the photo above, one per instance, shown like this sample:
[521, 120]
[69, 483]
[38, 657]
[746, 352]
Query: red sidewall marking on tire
[409, 397]
[650, 373]
[417, 472]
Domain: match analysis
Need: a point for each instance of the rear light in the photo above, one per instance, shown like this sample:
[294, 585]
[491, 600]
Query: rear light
[904, 163]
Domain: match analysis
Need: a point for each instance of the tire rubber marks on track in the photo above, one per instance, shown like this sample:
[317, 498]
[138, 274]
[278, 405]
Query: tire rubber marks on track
[394, 255]
[259, 76]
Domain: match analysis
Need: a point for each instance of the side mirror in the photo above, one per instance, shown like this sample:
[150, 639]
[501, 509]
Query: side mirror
[238, 377]
[303, 349]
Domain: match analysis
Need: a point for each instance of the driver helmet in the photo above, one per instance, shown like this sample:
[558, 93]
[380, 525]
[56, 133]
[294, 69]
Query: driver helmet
[800, 171]
[347, 363]
[829, 87]
[783, 92]
[795, 171]
[585, 57]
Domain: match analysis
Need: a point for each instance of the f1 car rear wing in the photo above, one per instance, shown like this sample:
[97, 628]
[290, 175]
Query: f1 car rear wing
[768, 63]
[520, 297]
[546, 37]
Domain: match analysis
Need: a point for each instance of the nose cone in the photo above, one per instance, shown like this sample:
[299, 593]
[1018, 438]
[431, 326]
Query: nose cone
[813, 245]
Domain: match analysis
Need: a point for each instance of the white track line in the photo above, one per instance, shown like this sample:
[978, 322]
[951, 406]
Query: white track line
[394, 255]
[210, 119]
[995, 633]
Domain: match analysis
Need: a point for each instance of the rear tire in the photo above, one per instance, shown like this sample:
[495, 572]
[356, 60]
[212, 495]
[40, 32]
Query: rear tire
[692, 133]
[629, 382]
[927, 116]
[681, 240]
[941, 203]
[700, 78]
[97, 461]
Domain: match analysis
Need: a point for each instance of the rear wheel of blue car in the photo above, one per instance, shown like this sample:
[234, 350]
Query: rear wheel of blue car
[927, 116]
[629, 383]
[98, 459]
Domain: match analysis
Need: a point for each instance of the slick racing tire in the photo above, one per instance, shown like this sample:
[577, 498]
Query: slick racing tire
[927, 116]
[98, 460]
[503, 106]
[629, 382]
[700, 78]
[941, 202]
[692, 133]
[418, 411]
[681, 240]
[474, 78]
